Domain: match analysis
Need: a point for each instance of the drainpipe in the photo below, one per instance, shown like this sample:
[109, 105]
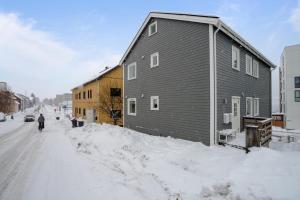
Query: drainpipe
[215, 80]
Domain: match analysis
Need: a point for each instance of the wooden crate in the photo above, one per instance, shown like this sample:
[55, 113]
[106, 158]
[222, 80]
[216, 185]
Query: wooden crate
[258, 131]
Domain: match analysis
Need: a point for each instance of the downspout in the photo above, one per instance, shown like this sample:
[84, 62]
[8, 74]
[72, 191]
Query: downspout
[215, 80]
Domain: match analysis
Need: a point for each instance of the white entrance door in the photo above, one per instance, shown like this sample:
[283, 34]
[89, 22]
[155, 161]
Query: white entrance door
[236, 120]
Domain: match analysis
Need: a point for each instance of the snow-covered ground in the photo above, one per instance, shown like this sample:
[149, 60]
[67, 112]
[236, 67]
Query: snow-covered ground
[110, 162]
[140, 166]
[13, 124]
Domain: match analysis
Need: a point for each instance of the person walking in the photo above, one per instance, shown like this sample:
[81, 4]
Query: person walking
[41, 121]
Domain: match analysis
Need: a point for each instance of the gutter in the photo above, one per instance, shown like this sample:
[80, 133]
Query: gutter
[215, 79]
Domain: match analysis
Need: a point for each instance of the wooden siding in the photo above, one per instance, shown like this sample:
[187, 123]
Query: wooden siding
[97, 89]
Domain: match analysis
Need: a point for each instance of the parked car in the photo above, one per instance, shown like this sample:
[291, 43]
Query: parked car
[29, 118]
[2, 117]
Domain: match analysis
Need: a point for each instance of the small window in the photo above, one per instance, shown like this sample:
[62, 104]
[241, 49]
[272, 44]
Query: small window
[79, 96]
[91, 94]
[235, 58]
[248, 64]
[115, 114]
[83, 111]
[88, 94]
[154, 100]
[297, 95]
[83, 95]
[256, 107]
[249, 105]
[152, 28]
[131, 106]
[132, 71]
[115, 92]
[297, 82]
[255, 69]
[79, 110]
[154, 60]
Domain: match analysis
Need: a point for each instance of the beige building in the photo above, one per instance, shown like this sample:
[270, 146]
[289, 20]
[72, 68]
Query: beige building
[100, 99]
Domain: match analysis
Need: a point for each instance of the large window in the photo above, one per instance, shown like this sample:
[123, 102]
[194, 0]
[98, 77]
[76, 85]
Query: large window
[249, 106]
[131, 106]
[154, 60]
[297, 95]
[152, 28]
[297, 82]
[132, 71]
[256, 106]
[248, 64]
[115, 92]
[255, 69]
[154, 103]
[235, 58]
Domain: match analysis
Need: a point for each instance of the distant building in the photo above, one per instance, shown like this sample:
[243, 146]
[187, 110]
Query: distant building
[3, 86]
[100, 99]
[289, 74]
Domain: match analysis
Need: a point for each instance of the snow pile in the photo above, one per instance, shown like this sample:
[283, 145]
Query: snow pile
[140, 166]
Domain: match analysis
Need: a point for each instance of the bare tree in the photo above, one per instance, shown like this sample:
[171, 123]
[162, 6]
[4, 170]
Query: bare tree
[111, 100]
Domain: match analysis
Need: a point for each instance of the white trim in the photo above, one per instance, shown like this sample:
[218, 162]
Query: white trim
[128, 106]
[151, 59]
[234, 48]
[211, 90]
[151, 102]
[149, 28]
[129, 66]
[257, 68]
[123, 71]
[254, 109]
[249, 59]
[251, 110]
[199, 19]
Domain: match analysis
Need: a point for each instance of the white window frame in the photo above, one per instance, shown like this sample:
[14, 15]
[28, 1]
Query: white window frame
[249, 59]
[235, 49]
[152, 98]
[255, 64]
[256, 106]
[251, 109]
[128, 106]
[131, 65]
[151, 59]
[149, 28]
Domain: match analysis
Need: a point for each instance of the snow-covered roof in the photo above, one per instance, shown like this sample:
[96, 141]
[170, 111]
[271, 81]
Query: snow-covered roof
[206, 19]
[101, 73]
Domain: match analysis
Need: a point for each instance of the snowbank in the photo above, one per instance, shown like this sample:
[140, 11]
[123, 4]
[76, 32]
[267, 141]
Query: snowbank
[140, 166]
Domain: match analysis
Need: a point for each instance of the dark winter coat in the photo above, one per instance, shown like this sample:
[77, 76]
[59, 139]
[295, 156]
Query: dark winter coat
[41, 119]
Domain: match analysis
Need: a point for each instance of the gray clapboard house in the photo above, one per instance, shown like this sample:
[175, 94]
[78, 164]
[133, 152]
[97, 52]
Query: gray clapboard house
[190, 76]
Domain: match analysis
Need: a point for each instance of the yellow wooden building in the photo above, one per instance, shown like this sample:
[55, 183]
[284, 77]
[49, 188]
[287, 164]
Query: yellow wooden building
[100, 99]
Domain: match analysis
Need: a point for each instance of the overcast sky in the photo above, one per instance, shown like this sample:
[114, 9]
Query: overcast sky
[50, 47]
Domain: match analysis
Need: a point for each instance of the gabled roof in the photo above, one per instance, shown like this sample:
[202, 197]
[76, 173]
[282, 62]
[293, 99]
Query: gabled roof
[103, 72]
[206, 19]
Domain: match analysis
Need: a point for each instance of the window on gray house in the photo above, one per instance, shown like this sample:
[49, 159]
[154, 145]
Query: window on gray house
[297, 82]
[297, 95]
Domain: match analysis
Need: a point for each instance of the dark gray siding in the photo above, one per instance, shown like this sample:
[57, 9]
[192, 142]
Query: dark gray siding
[231, 82]
[181, 81]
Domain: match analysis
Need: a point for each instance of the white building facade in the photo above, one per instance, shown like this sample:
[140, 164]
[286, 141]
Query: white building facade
[289, 73]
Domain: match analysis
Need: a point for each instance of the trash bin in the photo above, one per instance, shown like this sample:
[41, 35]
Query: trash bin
[57, 118]
[74, 123]
[80, 123]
